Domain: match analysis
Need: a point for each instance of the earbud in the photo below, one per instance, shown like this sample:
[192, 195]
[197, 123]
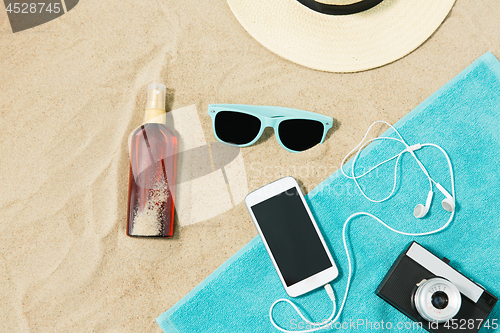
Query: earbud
[421, 210]
[449, 202]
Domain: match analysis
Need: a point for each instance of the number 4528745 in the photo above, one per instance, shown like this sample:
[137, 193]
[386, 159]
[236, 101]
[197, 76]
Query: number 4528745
[33, 8]
[463, 324]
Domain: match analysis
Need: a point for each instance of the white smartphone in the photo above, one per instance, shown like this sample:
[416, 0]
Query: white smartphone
[291, 236]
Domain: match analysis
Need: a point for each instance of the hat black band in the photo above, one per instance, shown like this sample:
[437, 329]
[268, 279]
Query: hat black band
[352, 8]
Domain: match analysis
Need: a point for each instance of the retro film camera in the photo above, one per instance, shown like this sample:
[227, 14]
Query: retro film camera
[428, 290]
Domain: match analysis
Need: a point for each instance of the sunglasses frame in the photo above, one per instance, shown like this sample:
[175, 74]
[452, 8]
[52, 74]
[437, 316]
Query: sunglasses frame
[269, 116]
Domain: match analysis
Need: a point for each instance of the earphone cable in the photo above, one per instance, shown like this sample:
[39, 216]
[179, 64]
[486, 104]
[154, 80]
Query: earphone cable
[361, 146]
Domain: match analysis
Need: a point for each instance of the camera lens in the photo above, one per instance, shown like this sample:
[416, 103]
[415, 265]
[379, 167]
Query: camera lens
[440, 300]
[437, 299]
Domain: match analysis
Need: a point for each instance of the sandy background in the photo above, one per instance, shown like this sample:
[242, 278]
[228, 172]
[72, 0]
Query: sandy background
[71, 91]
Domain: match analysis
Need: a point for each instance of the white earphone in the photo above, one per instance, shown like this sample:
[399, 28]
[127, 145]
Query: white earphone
[420, 211]
[449, 202]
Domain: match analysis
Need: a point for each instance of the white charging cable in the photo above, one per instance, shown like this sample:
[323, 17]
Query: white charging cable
[317, 326]
[327, 323]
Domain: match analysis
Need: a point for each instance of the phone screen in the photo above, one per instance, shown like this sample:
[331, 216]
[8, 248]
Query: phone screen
[291, 236]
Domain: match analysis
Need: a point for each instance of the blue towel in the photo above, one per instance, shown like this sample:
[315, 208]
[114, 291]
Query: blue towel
[463, 117]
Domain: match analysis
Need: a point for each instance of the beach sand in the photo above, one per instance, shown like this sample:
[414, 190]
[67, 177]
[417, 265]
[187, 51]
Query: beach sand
[73, 89]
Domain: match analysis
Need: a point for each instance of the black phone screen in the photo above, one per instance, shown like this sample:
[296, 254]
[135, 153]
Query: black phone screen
[291, 236]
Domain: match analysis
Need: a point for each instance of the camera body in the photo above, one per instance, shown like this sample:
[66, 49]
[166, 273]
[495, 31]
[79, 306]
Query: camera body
[428, 290]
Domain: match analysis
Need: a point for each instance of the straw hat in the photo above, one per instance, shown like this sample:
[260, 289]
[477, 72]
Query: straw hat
[347, 41]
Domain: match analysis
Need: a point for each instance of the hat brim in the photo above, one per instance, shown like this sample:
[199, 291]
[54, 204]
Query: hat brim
[341, 43]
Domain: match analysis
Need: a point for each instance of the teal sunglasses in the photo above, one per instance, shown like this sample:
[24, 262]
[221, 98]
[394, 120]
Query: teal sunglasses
[242, 125]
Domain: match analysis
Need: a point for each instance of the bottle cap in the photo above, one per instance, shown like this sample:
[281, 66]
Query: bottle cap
[156, 96]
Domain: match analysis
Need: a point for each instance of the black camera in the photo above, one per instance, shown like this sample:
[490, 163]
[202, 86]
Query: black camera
[428, 290]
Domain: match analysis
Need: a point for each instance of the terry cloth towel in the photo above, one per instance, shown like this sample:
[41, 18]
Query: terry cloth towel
[463, 117]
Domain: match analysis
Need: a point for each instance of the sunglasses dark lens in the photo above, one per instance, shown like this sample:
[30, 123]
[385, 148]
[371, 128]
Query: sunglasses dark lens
[300, 134]
[236, 128]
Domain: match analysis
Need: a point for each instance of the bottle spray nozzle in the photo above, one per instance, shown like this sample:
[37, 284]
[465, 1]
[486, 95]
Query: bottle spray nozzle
[156, 96]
